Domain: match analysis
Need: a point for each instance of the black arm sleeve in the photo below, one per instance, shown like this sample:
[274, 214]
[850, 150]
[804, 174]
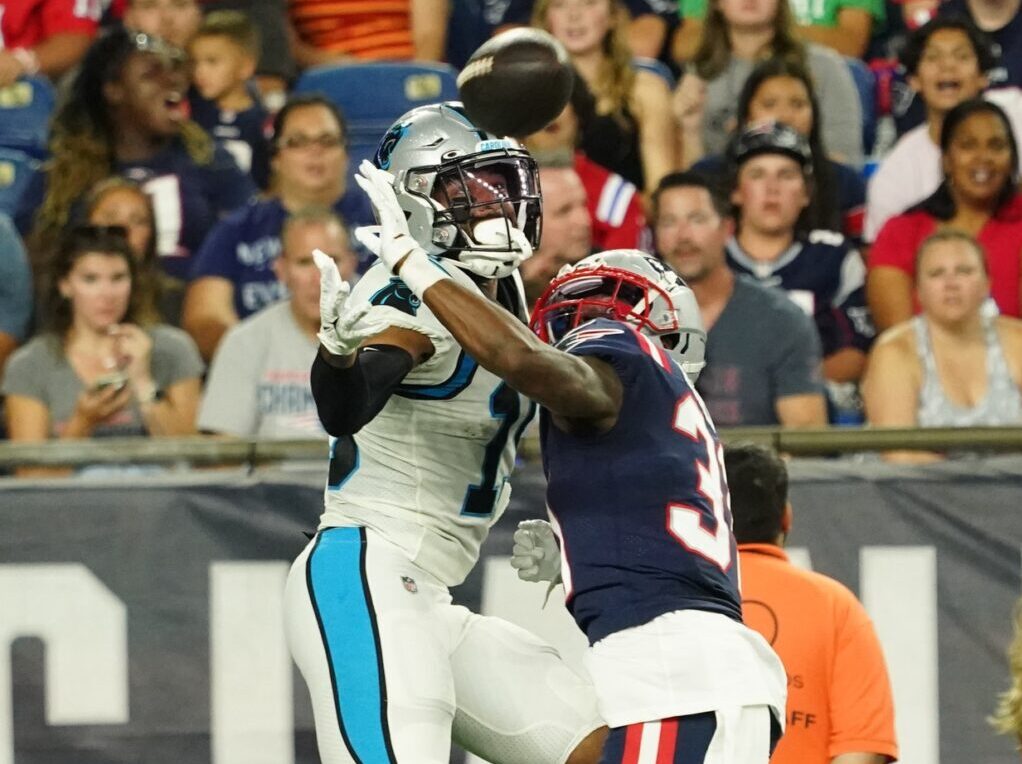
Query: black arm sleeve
[346, 399]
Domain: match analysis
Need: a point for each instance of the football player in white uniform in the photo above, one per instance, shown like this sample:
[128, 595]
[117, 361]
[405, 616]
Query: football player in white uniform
[423, 441]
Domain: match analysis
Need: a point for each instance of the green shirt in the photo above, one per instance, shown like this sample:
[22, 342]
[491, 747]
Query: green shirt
[807, 12]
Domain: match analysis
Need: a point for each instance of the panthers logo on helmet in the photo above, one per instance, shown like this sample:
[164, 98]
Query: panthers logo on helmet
[387, 145]
[397, 295]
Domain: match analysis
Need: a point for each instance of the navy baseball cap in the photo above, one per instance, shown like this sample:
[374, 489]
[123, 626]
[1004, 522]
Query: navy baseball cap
[770, 137]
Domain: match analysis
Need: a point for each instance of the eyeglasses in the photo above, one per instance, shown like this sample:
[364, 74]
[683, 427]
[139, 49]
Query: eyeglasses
[147, 43]
[300, 141]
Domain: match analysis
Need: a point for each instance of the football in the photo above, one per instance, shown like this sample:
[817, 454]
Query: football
[516, 83]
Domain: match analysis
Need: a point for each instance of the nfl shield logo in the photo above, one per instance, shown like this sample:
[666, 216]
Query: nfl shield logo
[409, 584]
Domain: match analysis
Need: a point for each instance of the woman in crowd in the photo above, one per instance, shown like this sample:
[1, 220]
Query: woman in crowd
[979, 195]
[737, 35]
[954, 365]
[631, 103]
[100, 370]
[126, 115]
[233, 276]
[782, 90]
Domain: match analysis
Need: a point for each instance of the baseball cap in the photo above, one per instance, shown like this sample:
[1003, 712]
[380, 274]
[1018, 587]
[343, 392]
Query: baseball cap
[770, 137]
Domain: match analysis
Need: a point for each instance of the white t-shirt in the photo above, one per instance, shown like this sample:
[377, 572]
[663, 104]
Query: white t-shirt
[912, 171]
[430, 471]
[258, 385]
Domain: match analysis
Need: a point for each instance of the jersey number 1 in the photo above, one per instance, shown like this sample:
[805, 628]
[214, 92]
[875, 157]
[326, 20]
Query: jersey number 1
[685, 522]
[481, 497]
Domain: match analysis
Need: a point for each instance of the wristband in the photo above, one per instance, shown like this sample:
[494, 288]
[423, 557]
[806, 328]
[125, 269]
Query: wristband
[27, 58]
[420, 273]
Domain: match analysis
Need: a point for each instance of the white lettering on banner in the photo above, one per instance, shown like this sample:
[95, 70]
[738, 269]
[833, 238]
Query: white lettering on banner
[165, 191]
[252, 696]
[898, 586]
[899, 589]
[85, 629]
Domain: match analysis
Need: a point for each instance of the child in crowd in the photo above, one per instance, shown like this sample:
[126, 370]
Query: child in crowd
[224, 54]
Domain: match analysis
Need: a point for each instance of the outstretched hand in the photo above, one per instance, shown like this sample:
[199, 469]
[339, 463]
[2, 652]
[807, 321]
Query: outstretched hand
[342, 329]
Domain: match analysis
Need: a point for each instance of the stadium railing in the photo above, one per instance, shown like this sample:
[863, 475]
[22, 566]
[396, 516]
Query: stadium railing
[200, 451]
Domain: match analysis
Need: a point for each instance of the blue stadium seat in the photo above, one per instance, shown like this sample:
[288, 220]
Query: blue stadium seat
[18, 171]
[25, 109]
[659, 68]
[373, 95]
[865, 83]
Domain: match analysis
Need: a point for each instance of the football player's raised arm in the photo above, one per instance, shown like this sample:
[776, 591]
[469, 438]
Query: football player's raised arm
[570, 387]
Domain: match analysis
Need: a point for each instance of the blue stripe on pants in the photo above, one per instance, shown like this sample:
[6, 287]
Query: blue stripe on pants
[344, 609]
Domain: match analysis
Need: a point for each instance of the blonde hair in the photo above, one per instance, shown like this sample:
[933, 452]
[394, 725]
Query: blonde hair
[616, 76]
[714, 51]
[1008, 718]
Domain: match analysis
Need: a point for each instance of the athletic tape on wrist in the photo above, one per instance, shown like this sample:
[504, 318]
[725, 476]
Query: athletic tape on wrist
[420, 273]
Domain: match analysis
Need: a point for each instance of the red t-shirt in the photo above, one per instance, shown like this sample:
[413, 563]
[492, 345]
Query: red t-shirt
[839, 695]
[613, 205]
[26, 23]
[1001, 237]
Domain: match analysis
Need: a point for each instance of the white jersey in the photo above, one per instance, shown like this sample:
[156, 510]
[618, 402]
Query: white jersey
[430, 471]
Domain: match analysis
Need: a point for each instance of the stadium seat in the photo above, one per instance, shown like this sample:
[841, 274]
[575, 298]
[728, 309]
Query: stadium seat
[18, 170]
[659, 68]
[25, 109]
[373, 95]
[865, 83]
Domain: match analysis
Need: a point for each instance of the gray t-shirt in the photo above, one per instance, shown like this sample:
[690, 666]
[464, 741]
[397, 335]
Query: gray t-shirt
[258, 383]
[40, 370]
[840, 108]
[761, 348]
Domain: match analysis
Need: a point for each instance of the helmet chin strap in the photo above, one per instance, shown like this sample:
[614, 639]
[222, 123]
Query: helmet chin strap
[494, 265]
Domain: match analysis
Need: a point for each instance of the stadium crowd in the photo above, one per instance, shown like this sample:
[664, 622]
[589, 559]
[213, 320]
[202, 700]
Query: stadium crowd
[837, 182]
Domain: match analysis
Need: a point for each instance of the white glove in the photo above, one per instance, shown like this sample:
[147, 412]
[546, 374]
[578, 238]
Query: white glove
[393, 243]
[341, 329]
[536, 555]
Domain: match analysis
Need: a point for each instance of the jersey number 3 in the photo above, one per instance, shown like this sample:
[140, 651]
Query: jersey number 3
[686, 523]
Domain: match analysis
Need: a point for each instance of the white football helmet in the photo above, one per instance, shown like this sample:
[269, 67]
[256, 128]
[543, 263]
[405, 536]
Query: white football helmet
[468, 195]
[631, 286]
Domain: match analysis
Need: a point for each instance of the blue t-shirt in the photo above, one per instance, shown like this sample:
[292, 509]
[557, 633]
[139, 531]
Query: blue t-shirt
[826, 277]
[643, 508]
[1007, 44]
[15, 282]
[242, 133]
[188, 199]
[242, 248]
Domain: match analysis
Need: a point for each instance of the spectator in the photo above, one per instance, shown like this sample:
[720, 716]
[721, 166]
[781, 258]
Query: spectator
[224, 53]
[15, 290]
[737, 35]
[97, 372]
[818, 270]
[567, 228]
[615, 208]
[954, 365]
[174, 21]
[327, 33]
[782, 90]
[1002, 23]
[762, 352]
[979, 195]
[232, 277]
[1008, 719]
[258, 385]
[845, 27]
[947, 61]
[46, 37]
[126, 115]
[835, 665]
[635, 103]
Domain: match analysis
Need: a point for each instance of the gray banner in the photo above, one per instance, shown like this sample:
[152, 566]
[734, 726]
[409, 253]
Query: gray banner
[142, 616]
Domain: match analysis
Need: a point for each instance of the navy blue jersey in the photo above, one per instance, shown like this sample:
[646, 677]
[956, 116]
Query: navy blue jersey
[242, 248]
[188, 199]
[642, 509]
[825, 276]
[242, 133]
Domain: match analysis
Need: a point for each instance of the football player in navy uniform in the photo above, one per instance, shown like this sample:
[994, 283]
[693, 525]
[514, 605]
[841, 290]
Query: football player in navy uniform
[640, 528]
[423, 440]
